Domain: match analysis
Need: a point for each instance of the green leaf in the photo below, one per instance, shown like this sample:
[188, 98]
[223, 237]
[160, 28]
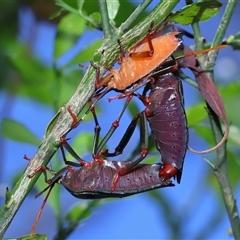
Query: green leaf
[196, 12]
[56, 14]
[69, 30]
[17, 132]
[82, 211]
[126, 8]
[230, 95]
[68, 5]
[36, 80]
[86, 54]
[196, 114]
[52, 123]
[34, 236]
[88, 10]
[205, 133]
[234, 134]
[234, 41]
[153, 158]
[82, 144]
[133, 108]
[68, 84]
[113, 7]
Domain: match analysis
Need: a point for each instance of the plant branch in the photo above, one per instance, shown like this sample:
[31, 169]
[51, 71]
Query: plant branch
[186, 78]
[62, 122]
[218, 39]
[221, 168]
[134, 15]
[107, 29]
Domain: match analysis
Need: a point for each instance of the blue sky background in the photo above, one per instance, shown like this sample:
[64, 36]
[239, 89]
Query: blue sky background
[128, 218]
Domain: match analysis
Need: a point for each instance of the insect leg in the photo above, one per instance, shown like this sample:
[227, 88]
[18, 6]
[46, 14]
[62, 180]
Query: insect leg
[125, 139]
[144, 146]
[114, 126]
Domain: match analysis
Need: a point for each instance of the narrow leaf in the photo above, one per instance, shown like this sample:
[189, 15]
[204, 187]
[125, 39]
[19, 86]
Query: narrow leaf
[113, 7]
[196, 114]
[196, 12]
[34, 236]
[210, 93]
[18, 132]
[82, 211]
[69, 30]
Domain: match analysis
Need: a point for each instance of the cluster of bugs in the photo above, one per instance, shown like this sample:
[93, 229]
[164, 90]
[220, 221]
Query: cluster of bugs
[164, 112]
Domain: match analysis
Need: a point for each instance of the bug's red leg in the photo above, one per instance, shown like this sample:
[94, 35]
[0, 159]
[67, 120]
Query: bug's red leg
[144, 149]
[125, 139]
[65, 144]
[114, 126]
[148, 53]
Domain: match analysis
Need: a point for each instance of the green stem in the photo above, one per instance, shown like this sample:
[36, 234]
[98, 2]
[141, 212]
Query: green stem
[107, 29]
[134, 15]
[186, 78]
[218, 38]
[158, 16]
[221, 168]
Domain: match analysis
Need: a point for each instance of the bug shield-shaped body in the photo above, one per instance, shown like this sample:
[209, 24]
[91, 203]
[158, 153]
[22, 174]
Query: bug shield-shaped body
[168, 121]
[96, 181]
[134, 68]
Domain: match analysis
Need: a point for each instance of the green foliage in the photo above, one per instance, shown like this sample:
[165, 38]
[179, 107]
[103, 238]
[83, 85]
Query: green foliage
[230, 94]
[34, 236]
[87, 52]
[196, 114]
[83, 143]
[69, 30]
[196, 12]
[18, 132]
[81, 211]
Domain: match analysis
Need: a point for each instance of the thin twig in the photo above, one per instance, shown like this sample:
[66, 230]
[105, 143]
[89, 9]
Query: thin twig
[221, 168]
[134, 15]
[107, 29]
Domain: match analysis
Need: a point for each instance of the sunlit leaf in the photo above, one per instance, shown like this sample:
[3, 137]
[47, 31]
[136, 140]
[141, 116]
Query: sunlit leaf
[196, 12]
[18, 132]
[196, 114]
[69, 30]
[133, 108]
[52, 123]
[83, 143]
[88, 10]
[155, 157]
[205, 132]
[34, 236]
[234, 41]
[35, 78]
[230, 94]
[69, 83]
[126, 8]
[68, 5]
[113, 7]
[82, 211]
[234, 135]
[86, 54]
